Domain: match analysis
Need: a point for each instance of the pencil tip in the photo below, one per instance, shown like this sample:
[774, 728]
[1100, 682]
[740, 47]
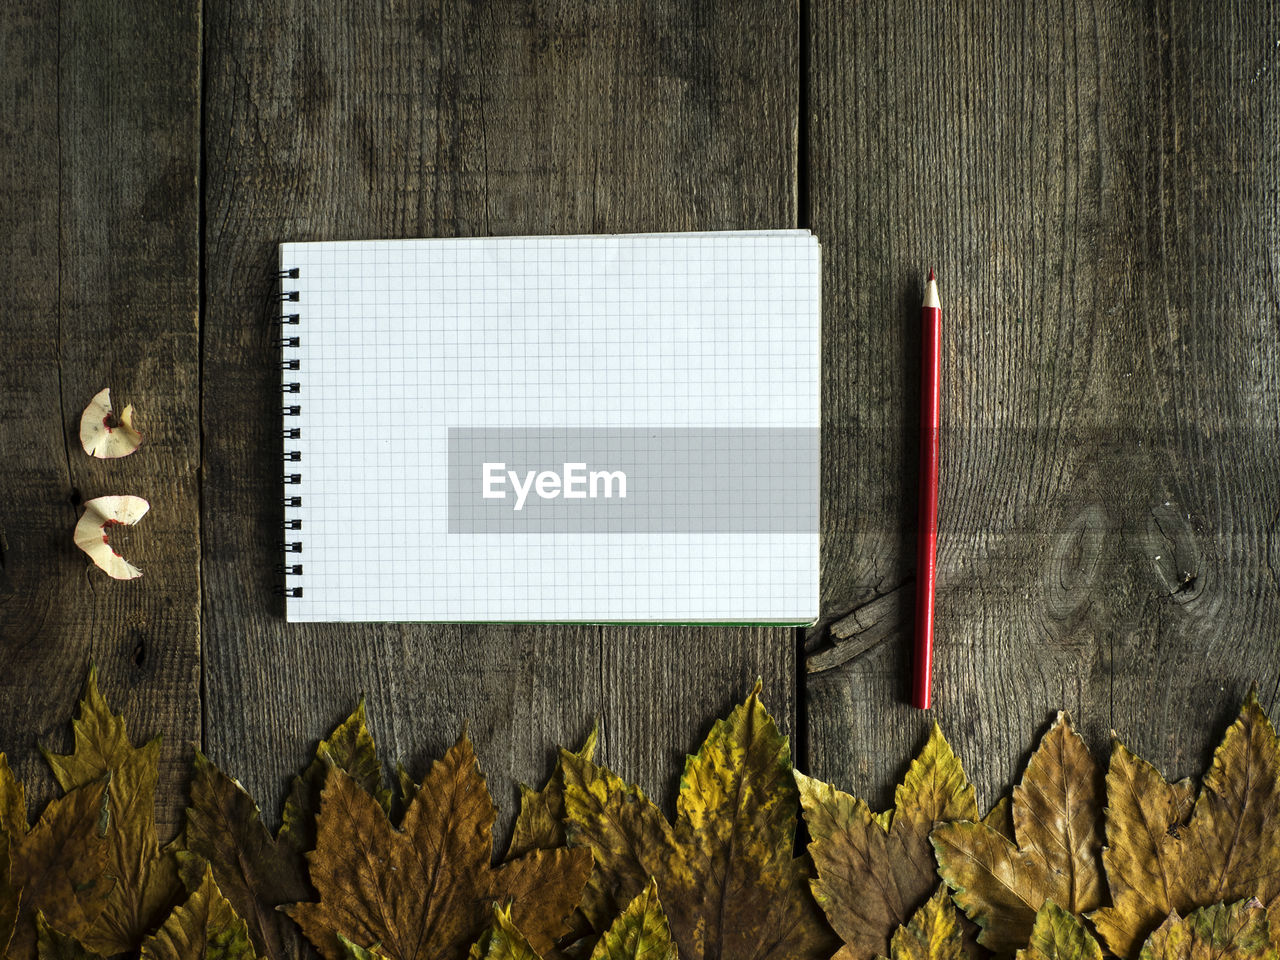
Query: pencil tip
[931, 273]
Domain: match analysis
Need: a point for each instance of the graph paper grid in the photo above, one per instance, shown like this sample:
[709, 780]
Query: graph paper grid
[399, 341]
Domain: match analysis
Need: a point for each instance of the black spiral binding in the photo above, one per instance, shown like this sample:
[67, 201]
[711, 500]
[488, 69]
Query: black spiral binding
[289, 341]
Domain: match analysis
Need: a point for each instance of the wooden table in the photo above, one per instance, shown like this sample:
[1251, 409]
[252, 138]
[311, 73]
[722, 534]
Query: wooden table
[1096, 182]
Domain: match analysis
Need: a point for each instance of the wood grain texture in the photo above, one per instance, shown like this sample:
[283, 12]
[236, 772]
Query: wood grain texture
[99, 156]
[1096, 183]
[412, 120]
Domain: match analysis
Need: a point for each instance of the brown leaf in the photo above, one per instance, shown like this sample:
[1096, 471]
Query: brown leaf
[351, 748]
[1056, 813]
[540, 823]
[502, 941]
[876, 870]
[729, 882]
[1000, 817]
[52, 945]
[205, 927]
[225, 830]
[10, 895]
[60, 868]
[1236, 931]
[932, 933]
[13, 803]
[1158, 860]
[146, 879]
[424, 890]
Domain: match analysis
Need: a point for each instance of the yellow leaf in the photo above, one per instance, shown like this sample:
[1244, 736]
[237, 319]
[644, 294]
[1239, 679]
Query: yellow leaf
[640, 933]
[540, 823]
[876, 870]
[502, 941]
[1158, 860]
[1236, 931]
[1143, 853]
[932, 933]
[205, 926]
[1056, 812]
[1059, 935]
[146, 879]
[1232, 844]
[728, 879]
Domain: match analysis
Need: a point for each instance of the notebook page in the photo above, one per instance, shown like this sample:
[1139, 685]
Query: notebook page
[699, 349]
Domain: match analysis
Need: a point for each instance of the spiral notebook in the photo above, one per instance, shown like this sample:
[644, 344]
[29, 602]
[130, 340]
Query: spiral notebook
[565, 429]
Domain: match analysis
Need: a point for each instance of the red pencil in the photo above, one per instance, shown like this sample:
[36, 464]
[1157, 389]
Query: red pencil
[927, 535]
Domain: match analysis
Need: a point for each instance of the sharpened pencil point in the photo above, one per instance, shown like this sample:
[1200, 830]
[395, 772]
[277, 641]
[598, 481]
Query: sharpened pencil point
[931, 273]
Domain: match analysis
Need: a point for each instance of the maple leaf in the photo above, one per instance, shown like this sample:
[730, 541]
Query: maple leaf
[59, 866]
[725, 868]
[875, 870]
[1165, 854]
[351, 748]
[205, 926]
[146, 879]
[13, 803]
[52, 945]
[1056, 811]
[254, 871]
[1059, 935]
[1236, 931]
[540, 823]
[641, 932]
[424, 890]
[932, 933]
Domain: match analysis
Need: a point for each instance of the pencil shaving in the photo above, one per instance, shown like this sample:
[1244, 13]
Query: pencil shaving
[105, 435]
[91, 534]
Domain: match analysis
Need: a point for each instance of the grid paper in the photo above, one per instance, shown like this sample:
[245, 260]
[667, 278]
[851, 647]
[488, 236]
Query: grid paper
[399, 341]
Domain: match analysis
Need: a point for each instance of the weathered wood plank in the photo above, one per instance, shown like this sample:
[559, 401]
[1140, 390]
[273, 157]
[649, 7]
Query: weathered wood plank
[99, 157]
[1097, 185]
[471, 119]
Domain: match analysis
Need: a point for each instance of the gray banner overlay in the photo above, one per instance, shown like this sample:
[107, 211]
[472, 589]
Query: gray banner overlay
[669, 480]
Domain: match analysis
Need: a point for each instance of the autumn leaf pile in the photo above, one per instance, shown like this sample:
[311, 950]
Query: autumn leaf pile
[1080, 862]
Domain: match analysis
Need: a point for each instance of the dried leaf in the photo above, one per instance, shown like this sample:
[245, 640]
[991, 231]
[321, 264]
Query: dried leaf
[10, 894]
[1059, 935]
[1232, 844]
[932, 933]
[728, 879]
[1236, 931]
[1158, 860]
[91, 532]
[255, 874]
[1000, 817]
[60, 868]
[423, 890]
[146, 879]
[502, 941]
[354, 951]
[351, 748]
[1056, 812]
[205, 926]
[540, 823]
[640, 933]
[876, 870]
[13, 803]
[1143, 850]
[103, 434]
[52, 945]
